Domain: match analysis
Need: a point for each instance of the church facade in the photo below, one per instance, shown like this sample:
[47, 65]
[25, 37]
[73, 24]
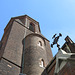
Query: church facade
[25, 51]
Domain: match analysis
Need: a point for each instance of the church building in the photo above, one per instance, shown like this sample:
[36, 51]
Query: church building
[25, 51]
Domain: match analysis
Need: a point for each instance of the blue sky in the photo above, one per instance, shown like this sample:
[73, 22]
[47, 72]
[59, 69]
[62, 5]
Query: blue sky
[54, 16]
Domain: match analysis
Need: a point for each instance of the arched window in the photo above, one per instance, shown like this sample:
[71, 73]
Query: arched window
[42, 63]
[40, 43]
[31, 27]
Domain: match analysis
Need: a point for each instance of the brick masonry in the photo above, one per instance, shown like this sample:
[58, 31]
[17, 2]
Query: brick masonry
[7, 68]
[11, 52]
[33, 53]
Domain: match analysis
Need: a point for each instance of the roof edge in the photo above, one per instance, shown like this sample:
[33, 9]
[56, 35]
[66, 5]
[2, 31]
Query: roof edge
[25, 16]
[37, 34]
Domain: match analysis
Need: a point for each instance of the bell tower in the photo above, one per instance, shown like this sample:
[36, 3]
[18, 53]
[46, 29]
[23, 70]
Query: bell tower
[24, 49]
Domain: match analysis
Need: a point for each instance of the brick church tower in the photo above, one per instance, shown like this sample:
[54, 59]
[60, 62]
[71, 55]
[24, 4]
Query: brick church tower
[23, 49]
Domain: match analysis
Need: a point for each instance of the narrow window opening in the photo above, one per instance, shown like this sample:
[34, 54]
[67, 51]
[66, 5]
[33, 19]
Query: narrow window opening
[31, 27]
[42, 63]
[40, 43]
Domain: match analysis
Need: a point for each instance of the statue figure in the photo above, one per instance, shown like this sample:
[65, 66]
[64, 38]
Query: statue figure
[56, 40]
